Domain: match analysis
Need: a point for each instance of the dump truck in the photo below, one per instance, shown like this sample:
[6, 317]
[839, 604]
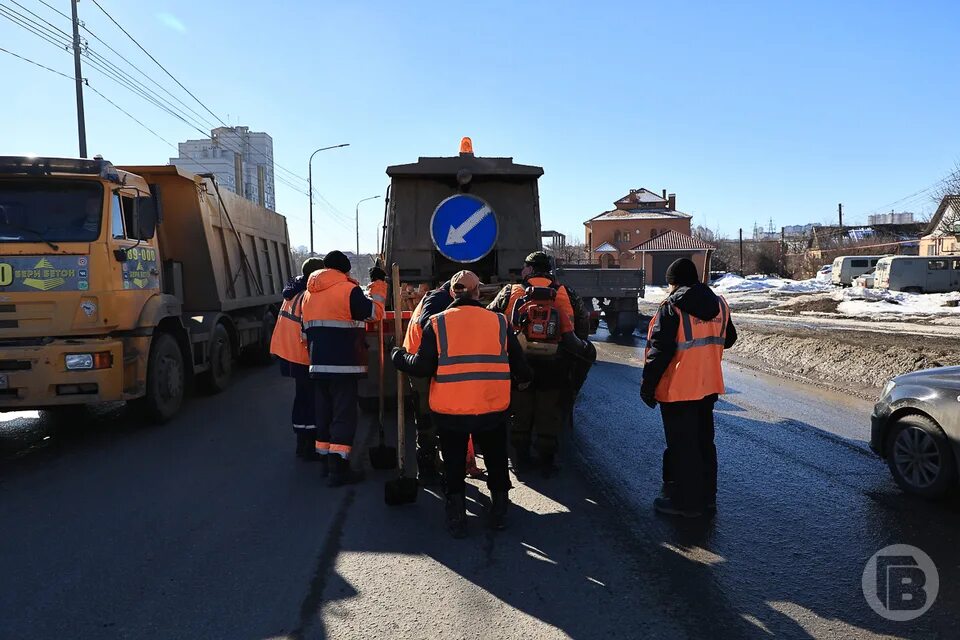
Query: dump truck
[128, 283]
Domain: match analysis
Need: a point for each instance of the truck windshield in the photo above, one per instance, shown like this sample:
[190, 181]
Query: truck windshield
[50, 210]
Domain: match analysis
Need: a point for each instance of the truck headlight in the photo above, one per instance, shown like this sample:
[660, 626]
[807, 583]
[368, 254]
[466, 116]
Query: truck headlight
[88, 361]
[79, 361]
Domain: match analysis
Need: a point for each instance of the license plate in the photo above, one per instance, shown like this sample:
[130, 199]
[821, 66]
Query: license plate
[4, 381]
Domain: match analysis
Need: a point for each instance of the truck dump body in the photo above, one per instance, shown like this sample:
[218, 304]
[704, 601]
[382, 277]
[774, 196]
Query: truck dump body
[232, 253]
[417, 189]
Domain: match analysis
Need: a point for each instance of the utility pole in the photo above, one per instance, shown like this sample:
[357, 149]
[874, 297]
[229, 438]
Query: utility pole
[81, 124]
[741, 252]
[310, 185]
[783, 251]
[840, 213]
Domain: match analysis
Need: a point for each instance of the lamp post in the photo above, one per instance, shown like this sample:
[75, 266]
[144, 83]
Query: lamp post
[357, 215]
[310, 183]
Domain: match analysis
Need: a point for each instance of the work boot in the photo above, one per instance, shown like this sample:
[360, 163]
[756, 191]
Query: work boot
[499, 501]
[340, 472]
[456, 509]
[666, 506]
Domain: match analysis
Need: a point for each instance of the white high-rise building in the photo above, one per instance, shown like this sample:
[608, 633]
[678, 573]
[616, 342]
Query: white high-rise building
[242, 161]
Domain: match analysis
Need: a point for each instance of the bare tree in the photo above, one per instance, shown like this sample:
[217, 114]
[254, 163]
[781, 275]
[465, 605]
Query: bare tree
[298, 255]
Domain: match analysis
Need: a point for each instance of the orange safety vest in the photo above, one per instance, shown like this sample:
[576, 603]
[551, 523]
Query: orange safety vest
[288, 341]
[411, 340]
[337, 342]
[695, 371]
[473, 366]
[562, 302]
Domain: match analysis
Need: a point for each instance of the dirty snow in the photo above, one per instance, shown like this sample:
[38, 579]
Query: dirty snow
[860, 302]
[735, 284]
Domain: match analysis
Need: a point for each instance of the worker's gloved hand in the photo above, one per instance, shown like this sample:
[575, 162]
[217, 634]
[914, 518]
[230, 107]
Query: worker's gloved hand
[523, 386]
[397, 354]
[647, 395]
[376, 273]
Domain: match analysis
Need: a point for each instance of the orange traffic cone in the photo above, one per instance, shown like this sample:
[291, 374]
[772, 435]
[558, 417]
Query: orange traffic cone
[472, 469]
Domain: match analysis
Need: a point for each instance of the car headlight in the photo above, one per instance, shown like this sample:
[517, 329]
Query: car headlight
[79, 361]
[887, 388]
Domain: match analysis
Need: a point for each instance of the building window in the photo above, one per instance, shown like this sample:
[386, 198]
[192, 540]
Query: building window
[626, 236]
[616, 236]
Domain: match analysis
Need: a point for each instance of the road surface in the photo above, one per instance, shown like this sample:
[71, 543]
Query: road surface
[207, 528]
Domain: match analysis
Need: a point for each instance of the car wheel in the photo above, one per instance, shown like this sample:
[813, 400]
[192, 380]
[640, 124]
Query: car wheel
[217, 377]
[920, 457]
[166, 378]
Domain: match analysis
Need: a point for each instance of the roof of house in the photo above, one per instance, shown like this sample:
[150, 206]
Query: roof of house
[673, 241]
[639, 196]
[606, 247]
[938, 216]
[640, 214]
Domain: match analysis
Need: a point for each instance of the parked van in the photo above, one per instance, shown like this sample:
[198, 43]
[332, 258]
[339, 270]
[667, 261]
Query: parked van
[846, 268]
[923, 274]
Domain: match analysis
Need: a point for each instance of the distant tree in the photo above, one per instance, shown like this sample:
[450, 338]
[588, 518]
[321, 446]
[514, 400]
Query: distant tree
[703, 233]
[298, 255]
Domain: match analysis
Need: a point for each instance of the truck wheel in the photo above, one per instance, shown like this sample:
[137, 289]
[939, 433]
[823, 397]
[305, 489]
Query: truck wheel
[920, 457]
[165, 380]
[217, 377]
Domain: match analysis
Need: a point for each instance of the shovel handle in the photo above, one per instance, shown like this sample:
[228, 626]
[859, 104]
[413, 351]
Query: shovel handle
[398, 328]
[380, 398]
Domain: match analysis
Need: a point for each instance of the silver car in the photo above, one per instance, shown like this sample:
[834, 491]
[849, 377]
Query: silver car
[916, 429]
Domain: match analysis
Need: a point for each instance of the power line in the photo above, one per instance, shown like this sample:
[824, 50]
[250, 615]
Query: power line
[149, 55]
[37, 64]
[54, 9]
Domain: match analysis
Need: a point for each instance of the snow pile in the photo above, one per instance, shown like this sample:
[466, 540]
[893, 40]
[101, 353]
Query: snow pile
[735, 284]
[858, 301]
[655, 294]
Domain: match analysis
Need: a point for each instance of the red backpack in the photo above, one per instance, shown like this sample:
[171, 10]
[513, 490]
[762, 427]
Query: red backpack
[538, 320]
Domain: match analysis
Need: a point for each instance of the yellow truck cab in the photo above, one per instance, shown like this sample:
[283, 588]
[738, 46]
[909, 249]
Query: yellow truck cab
[94, 301]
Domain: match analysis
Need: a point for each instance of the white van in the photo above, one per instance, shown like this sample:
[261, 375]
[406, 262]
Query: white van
[846, 268]
[923, 274]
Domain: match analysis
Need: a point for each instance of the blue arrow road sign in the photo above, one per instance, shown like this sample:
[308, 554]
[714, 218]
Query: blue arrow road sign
[463, 228]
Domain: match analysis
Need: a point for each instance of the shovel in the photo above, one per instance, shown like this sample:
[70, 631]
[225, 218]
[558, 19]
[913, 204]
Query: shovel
[381, 456]
[402, 490]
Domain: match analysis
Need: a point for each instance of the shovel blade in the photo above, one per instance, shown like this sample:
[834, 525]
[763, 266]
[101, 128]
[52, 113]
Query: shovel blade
[383, 457]
[400, 491]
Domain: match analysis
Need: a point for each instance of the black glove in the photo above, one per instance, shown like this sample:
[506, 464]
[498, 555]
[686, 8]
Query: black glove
[397, 355]
[647, 395]
[376, 273]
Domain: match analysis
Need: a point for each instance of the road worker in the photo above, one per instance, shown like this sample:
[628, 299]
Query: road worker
[289, 345]
[540, 411]
[682, 372]
[335, 312]
[428, 458]
[471, 356]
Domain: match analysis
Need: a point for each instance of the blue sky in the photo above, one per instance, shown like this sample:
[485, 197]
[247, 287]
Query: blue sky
[747, 110]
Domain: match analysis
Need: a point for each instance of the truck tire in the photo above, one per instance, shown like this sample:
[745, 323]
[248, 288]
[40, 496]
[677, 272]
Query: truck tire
[217, 377]
[166, 380]
[920, 457]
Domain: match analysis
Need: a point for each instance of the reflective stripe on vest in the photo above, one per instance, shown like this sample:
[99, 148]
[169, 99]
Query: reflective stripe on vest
[473, 366]
[288, 341]
[336, 324]
[695, 371]
[338, 368]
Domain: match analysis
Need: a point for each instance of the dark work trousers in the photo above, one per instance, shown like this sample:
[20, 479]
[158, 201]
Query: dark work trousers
[336, 418]
[304, 407]
[690, 461]
[492, 444]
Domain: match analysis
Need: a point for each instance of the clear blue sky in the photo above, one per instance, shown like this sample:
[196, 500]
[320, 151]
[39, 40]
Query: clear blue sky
[747, 110]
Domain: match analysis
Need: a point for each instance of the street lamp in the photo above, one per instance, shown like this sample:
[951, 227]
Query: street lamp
[310, 181]
[357, 214]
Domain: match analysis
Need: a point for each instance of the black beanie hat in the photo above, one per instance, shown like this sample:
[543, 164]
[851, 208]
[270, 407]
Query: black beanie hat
[682, 273]
[336, 260]
[310, 265]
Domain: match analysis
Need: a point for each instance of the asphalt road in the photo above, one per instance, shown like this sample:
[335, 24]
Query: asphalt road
[207, 528]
